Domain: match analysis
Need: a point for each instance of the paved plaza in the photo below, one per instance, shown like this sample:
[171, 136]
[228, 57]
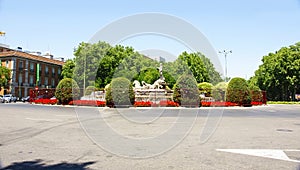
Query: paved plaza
[60, 137]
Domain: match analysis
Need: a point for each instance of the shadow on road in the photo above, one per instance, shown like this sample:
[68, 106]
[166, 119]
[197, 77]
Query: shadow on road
[39, 165]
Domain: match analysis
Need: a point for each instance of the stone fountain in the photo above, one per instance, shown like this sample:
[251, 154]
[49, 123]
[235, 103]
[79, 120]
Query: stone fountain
[155, 92]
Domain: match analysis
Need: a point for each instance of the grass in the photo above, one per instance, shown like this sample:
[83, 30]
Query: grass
[282, 102]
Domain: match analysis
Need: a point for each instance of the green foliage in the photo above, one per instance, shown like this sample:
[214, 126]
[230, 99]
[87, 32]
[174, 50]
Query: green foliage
[205, 88]
[120, 93]
[4, 76]
[87, 60]
[213, 74]
[89, 90]
[218, 91]
[282, 102]
[186, 92]
[68, 69]
[279, 74]
[195, 65]
[150, 75]
[238, 91]
[255, 93]
[67, 90]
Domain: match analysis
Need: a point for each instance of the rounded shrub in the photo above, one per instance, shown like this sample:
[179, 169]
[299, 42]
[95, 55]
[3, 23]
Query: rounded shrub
[67, 90]
[186, 92]
[255, 93]
[120, 93]
[218, 91]
[205, 88]
[238, 91]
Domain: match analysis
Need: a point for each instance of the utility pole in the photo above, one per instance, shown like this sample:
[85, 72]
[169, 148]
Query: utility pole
[225, 55]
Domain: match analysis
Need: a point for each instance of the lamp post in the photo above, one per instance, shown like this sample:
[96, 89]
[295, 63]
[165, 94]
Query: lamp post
[225, 55]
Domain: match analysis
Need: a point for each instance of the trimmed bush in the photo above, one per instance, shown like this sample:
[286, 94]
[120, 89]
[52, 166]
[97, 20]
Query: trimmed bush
[120, 93]
[255, 93]
[205, 88]
[218, 91]
[67, 90]
[238, 92]
[186, 92]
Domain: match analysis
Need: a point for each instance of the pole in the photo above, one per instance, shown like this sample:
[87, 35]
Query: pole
[225, 55]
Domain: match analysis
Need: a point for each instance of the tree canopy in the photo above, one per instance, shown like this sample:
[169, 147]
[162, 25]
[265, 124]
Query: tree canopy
[68, 69]
[279, 73]
[4, 76]
[97, 64]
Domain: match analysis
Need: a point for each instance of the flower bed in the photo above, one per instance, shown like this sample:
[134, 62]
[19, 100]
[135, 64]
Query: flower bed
[45, 101]
[168, 103]
[87, 103]
[143, 104]
[217, 104]
[256, 103]
[164, 103]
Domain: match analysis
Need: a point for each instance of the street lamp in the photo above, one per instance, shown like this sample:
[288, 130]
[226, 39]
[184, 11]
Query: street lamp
[225, 55]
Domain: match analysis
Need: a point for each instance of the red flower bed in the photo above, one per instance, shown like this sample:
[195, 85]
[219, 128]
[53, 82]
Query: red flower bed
[257, 103]
[87, 103]
[45, 101]
[164, 103]
[217, 104]
[167, 103]
[142, 104]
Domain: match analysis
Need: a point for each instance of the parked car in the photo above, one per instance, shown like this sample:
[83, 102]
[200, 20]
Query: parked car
[9, 98]
[1, 99]
[25, 99]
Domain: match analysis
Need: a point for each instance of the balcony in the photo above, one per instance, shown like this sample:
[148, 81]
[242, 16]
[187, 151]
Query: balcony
[21, 68]
[46, 73]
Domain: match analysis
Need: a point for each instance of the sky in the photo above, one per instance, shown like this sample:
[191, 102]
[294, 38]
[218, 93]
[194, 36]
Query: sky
[250, 28]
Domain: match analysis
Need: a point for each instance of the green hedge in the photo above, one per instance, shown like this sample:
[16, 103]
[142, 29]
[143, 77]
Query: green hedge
[120, 93]
[186, 92]
[218, 91]
[238, 91]
[67, 90]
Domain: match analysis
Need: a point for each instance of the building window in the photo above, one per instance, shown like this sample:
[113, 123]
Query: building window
[21, 65]
[53, 83]
[31, 80]
[31, 67]
[58, 71]
[7, 63]
[46, 70]
[53, 72]
[20, 78]
[46, 81]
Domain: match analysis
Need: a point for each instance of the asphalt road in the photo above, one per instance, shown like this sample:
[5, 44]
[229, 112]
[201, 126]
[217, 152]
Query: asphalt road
[57, 137]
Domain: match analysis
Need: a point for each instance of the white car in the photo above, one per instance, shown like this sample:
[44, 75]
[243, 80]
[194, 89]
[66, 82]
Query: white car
[9, 98]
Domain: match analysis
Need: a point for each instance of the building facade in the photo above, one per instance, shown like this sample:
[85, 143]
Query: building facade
[29, 71]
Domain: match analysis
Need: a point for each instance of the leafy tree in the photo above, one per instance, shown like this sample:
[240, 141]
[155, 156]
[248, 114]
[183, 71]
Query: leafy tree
[4, 76]
[67, 90]
[205, 88]
[68, 69]
[195, 65]
[89, 90]
[279, 73]
[186, 91]
[87, 60]
[120, 93]
[238, 91]
[214, 75]
[218, 91]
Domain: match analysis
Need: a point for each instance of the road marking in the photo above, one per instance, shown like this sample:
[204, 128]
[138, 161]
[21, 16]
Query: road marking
[266, 153]
[48, 120]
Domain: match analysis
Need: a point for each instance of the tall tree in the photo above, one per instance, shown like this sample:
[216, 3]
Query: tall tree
[68, 69]
[279, 74]
[4, 76]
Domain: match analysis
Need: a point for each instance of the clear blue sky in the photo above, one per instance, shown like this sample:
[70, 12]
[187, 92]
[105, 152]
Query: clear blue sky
[251, 29]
